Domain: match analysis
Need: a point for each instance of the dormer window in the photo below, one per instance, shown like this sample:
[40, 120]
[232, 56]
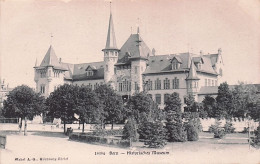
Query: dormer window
[198, 65]
[89, 73]
[175, 65]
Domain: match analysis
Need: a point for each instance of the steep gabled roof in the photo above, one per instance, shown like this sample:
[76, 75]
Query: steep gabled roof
[135, 47]
[192, 72]
[50, 59]
[111, 38]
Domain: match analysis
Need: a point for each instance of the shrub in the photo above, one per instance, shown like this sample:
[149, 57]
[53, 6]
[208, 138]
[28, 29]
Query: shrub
[193, 126]
[156, 133]
[245, 130]
[176, 132]
[256, 139]
[229, 128]
[217, 130]
[103, 132]
[129, 131]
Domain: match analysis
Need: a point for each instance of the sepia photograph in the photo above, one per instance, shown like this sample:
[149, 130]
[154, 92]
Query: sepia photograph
[129, 81]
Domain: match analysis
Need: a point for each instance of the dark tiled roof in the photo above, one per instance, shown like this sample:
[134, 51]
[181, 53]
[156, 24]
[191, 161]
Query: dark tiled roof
[213, 58]
[50, 59]
[79, 71]
[135, 47]
[192, 73]
[208, 90]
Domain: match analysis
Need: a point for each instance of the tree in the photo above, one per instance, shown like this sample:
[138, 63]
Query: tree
[209, 106]
[244, 98]
[87, 105]
[156, 135]
[130, 131]
[62, 103]
[24, 103]
[174, 123]
[225, 105]
[141, 107]
[110, 105]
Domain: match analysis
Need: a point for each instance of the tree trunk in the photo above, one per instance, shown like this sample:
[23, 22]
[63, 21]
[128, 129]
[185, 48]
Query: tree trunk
[83, 126]
[25, 126]
[112, 125]
[20, 125]
[64, 126]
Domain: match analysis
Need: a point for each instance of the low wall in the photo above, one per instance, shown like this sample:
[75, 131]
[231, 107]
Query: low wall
[238, 125]
[100, 140]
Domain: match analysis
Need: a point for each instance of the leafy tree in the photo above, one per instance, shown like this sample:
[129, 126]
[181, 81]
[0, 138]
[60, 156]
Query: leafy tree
[62, 103]
[141, 107]
[110, 105]
[24, 103]
[245, 97]
[87, 105]
[225, 105]
[174, 123]
[209, 106]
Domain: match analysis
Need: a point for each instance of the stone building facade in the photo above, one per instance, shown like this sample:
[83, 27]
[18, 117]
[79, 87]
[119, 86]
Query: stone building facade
[133, 68]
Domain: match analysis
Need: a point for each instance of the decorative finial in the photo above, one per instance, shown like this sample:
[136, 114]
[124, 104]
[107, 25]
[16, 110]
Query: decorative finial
[110, 3]
[138, 24]
[51, 38]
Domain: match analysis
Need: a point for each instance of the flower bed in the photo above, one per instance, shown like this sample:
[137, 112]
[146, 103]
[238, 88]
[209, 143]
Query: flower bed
[100, 140]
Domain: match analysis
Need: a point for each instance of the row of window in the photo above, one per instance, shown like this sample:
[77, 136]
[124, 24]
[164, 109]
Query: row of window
[209, 82]
[166, 84]
[124, 86]
[43, 74]
[158, 97]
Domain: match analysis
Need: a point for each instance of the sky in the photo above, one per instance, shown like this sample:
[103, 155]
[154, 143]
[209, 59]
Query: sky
[79, 29]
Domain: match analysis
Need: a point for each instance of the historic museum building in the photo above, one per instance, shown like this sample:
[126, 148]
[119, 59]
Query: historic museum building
[133, 68]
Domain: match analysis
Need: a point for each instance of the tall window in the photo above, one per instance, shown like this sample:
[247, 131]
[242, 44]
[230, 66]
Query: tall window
[158, 98]
[175, 83]
[106, 67]
[166, 83]
[96, 86]
[120, 87]
[206, 83]
[42, 89]
[150, 85]
[43, 74]
[90, 86]
[166, 97]
[135, 69]
[136, 86]
[212, 83]
[157, 84]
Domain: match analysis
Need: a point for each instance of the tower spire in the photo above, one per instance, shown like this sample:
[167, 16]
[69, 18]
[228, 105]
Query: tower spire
[111, 38]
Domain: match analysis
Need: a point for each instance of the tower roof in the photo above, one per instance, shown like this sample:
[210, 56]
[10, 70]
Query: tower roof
[111, 38]
[192, 73]
[50, 59]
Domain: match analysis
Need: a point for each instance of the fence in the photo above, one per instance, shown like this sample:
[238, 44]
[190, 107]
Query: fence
[9, 120]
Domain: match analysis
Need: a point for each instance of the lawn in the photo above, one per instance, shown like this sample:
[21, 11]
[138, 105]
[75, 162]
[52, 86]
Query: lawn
[53, 144]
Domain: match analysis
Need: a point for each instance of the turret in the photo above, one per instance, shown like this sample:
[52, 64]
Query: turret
[110, 51]
[192, 80]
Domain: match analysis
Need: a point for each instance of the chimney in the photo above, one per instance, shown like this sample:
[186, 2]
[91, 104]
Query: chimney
[153, 52]
[59, 60]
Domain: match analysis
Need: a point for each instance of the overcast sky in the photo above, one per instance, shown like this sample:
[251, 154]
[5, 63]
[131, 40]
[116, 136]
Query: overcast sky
[80, 27]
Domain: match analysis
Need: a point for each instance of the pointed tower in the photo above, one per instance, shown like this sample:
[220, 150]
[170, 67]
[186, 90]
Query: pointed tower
[49, 74]
[110, 51]
[192, 81]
